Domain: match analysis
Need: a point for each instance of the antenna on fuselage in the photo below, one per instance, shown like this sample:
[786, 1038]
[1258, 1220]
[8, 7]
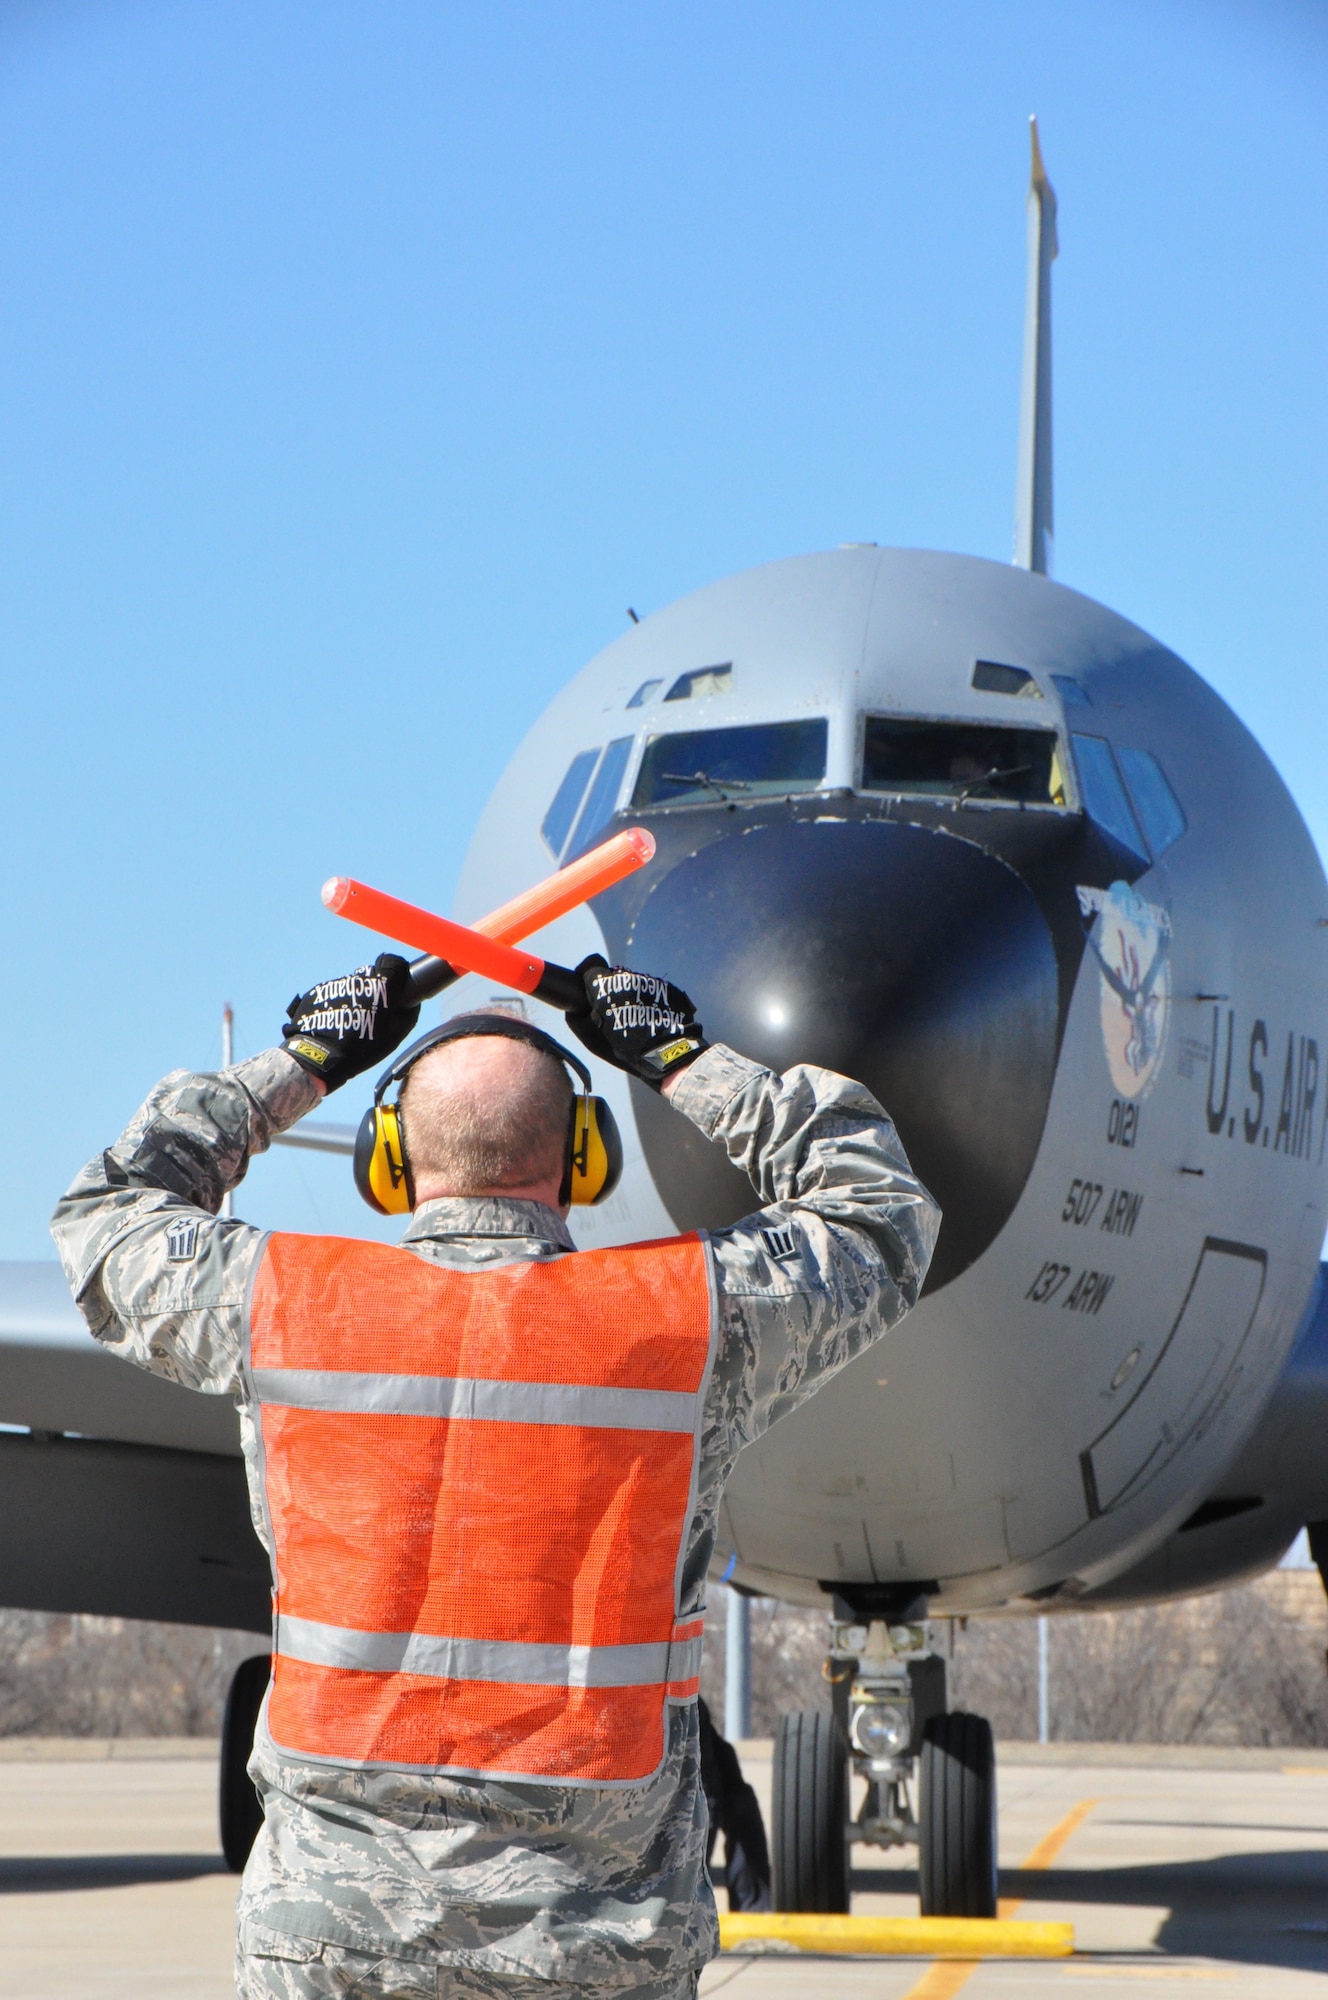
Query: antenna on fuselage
[1034, 520]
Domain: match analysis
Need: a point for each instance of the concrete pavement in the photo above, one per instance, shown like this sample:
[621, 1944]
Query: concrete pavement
[1198, 1869]
[1205, 1871]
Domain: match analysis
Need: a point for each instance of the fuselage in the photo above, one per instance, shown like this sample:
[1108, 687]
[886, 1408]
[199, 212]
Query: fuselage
[958, 831]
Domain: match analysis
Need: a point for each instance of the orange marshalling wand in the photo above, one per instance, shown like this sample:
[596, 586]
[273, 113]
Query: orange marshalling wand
[486, 946]
[575, 884]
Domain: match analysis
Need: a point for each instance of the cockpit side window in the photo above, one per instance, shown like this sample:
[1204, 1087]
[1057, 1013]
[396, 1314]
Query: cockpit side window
[991, 677]
[1158, 809]
[702, 681]
[962, 761]
[558, 819]
[763, 760]
[603, 795]
[1105, 797]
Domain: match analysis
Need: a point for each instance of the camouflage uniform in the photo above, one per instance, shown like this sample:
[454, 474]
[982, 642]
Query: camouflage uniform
[384, 1882]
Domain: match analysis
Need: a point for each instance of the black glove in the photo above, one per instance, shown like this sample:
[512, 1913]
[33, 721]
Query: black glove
[346, 1025]
[635, 1021]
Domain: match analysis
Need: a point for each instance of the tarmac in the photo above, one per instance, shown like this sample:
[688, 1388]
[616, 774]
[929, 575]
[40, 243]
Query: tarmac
[1203, 1870]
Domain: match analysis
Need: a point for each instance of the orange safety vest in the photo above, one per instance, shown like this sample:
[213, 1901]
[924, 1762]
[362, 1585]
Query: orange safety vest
[478, 1485]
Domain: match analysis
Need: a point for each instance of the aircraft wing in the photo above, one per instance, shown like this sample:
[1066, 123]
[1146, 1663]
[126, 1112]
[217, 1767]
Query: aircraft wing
[319, 1137]
[122, 1494]
[54, 1376]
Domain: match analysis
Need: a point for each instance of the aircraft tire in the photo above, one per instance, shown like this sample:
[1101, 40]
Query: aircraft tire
[240, 1812]
[810, 1815]
[957, 1817]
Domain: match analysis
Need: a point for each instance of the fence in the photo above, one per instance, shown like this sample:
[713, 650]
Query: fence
[1243, 1666]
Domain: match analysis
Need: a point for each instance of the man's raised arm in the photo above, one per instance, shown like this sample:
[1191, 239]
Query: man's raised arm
[838, 1252]
[158, 1275]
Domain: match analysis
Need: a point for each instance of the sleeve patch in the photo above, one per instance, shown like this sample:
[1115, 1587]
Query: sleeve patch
[182, 1241]
[780, 1244]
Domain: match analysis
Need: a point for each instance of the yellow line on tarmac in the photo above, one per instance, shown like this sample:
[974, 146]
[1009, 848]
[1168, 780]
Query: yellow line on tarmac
[1053, 1843]
[942, 1981]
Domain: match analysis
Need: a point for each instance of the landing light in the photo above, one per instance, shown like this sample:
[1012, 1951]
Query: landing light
[883, 1728]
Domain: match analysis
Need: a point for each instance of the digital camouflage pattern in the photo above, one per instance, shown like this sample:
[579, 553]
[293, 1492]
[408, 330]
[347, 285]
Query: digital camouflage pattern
[487, 1887]
[272, 1966]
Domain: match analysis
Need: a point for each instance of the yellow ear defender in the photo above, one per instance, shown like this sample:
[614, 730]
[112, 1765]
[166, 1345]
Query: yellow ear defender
[594, 1148]
[380, 1162]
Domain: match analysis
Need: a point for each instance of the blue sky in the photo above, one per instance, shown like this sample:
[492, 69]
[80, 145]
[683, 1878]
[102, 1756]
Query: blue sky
[359, 365]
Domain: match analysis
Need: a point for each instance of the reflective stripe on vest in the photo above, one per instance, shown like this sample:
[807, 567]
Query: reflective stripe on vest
[491, 1659]
[478, 1485]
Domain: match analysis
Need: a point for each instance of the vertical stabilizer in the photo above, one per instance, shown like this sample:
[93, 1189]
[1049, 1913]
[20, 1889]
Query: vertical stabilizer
[1033, 517]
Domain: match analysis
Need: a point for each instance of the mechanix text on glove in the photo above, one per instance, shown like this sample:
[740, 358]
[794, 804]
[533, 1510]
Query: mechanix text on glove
[636, 1021]
[344, 1026]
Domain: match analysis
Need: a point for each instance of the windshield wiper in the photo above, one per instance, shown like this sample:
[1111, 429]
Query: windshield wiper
[995, 776]
[703, 778]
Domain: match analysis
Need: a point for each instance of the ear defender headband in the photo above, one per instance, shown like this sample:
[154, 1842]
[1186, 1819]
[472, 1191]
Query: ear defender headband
[593, 1161]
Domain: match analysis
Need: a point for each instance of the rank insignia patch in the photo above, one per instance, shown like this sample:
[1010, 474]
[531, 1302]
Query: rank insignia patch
[182, 1241]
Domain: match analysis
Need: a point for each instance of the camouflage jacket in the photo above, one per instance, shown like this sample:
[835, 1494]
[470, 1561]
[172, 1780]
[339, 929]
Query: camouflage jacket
[517, 1881]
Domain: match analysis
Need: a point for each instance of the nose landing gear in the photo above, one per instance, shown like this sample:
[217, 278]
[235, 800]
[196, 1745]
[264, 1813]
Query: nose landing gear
[957, 1811]
[889, 1714]
[809, 1855]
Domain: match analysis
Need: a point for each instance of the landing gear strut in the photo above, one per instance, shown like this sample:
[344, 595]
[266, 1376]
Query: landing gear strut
[241, 1814]
[889, 1711]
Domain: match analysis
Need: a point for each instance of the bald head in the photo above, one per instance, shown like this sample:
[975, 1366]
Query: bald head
[487, 1115]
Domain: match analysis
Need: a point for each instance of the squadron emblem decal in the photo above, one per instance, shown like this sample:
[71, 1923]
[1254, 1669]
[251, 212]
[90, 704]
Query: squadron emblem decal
[1131, 941]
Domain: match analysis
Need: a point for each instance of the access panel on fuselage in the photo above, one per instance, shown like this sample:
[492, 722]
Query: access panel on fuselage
[1191, 1377]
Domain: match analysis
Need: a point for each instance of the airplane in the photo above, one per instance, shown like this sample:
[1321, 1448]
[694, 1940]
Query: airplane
[952, 828]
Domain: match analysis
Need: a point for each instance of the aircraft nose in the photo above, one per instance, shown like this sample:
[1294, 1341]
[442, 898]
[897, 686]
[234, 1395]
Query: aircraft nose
[902, 956]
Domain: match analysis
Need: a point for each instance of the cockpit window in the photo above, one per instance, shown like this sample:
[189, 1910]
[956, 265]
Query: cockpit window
[603, 796]
[1158, 808]
[558, 819]
[993, 678]
[764, 760]
[643, 693]
[701, 681]
[962, 760]
[1105, 798]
